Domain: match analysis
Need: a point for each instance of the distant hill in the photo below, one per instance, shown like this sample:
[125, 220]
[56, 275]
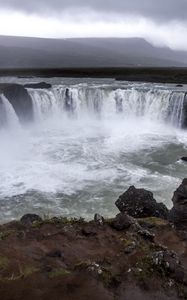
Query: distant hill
[23, 52]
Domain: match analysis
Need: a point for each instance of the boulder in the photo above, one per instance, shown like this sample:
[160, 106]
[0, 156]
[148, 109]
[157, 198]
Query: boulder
[184, 158]
[40, 85]
[178, 214]
[99, 219]
[167, 261]
[29, 219]
[146, 234]
[131, 248]
[139, 203]
[21, 101]
[122, 221]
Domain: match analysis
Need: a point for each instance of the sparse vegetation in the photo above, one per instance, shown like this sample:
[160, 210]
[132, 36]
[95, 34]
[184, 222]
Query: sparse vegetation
[4, 235]
[111, 261]
[4, 262]
[153, 221]
[82, 265]
[28, 271]
[59, 273]
[58, 221]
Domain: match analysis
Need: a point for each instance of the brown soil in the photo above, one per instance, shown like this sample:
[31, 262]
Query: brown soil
[60, 259]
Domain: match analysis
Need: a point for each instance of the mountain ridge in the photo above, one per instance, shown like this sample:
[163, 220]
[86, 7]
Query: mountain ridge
[26, 52]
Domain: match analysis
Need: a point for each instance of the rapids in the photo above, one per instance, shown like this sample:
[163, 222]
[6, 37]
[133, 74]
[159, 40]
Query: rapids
[87, 143]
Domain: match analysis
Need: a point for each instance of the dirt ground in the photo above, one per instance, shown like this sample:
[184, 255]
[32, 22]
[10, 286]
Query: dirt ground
[60, 259]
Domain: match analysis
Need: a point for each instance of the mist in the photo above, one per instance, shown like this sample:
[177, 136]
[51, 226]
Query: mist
[68, 19]
[83, 146]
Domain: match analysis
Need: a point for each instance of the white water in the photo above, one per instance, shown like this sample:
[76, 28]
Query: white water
[154, 104]
[7, 113]
[84, 150]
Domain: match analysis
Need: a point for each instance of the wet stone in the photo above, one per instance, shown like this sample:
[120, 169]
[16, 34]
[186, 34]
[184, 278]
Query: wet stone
[29, 219]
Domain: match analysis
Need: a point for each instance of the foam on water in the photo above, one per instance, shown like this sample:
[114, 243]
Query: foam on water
[87, 145]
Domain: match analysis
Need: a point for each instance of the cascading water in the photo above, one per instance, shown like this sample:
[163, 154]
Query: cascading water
[154, 104]
[87, 144]
[8, 115]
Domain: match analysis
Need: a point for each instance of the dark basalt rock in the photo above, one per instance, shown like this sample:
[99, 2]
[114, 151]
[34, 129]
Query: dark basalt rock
[147, 235]
[40, 85]
[184, 158]
[29, 219]
[122, 221]
[131, 248]
[139, 203]
[56, 253]
[99, 219]
[169, 262]
[178, 214]
[21, 101]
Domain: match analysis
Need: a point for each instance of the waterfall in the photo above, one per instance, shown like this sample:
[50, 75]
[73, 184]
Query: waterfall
[106, 102]
[8, 115]
[176, 109]
[155, 105]
[159, 105]
[78, 144]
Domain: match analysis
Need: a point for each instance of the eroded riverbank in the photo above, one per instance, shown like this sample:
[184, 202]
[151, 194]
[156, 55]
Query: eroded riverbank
[119, 258]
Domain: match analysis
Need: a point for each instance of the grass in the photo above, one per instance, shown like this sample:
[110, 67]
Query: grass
[149, 269]
[126, 242]
[5, 234]
[110, 279]
[4, 262]
[59, 273]
[58, 221]
[28, 271]
[142, 275]
[24, 272]
[153, 221]
[82, 265]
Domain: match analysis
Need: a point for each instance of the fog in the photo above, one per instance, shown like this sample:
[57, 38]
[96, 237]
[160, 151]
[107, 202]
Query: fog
[88, 24]
[160, 10]
[160, 22]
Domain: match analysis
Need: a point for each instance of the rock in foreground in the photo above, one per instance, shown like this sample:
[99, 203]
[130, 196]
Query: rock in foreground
[29, 219]
[122, 258]
[140, 203]
[122, 221]
[184, 158]
[178, 214]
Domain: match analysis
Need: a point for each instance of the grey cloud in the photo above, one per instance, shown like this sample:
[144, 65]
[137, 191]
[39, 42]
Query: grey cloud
[163, 10]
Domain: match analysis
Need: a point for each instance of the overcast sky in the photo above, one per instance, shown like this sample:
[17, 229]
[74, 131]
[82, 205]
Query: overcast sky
[162, 22]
